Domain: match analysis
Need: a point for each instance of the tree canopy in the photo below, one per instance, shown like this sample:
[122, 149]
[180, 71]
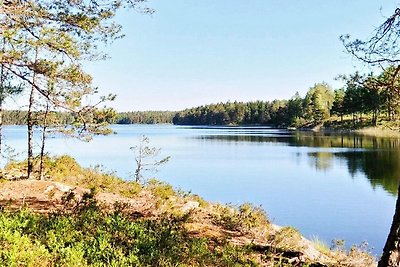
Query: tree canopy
[44, 44]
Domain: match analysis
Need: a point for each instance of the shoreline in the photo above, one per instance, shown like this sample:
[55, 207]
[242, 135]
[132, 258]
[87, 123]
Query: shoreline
[245, 227]
[365, 131]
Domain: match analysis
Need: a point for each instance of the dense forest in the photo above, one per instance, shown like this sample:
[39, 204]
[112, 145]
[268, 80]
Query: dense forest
[363, 98]
[144, 117]
[19, 117]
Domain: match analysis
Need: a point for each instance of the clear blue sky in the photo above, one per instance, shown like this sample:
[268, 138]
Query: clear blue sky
[195, 52]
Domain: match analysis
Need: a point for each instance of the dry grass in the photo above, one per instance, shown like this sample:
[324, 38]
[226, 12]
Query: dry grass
[379, 132]
[65, 169]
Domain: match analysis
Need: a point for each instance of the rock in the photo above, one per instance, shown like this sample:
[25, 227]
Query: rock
[13, 175]
[190, 205]
[63, 188]
[58, 186]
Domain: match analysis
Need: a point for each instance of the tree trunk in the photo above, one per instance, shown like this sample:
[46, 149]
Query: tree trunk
[2, 97]
[44, 129]
[30, 122]
[30, 133]
[1, 126]
[391, 251]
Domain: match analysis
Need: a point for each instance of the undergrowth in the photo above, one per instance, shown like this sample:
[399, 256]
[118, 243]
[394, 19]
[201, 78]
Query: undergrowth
[90, 236]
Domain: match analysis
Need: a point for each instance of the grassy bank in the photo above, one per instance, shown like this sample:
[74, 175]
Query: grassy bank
[383, 128]
[60, 222]
[378, 132]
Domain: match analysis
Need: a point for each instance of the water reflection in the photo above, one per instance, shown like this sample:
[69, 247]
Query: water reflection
[380, 167]
[378, 159]
[322, 161]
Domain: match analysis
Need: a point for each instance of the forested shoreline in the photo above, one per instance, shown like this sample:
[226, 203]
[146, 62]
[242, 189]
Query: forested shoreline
[19, 117]
[364, 100]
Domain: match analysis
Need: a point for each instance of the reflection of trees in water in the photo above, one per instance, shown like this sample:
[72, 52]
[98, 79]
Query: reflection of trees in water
[247, 138]
[380, 167]
[377, 158]
[309, 140]
[322, 161]
[344, 141]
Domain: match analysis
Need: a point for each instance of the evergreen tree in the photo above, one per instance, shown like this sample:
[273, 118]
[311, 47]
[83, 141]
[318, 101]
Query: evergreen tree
[46, 42]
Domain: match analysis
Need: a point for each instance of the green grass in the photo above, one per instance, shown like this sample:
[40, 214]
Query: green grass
[383, 127]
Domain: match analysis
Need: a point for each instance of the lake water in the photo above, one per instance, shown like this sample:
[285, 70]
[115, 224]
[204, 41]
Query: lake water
[327, 186]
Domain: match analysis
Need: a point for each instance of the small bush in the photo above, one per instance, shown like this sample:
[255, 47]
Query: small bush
[160, 189]
[287, 238]
[243, 218]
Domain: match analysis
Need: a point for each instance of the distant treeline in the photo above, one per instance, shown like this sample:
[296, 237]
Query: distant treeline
[19, 117]
[295, 111]
[233, 113]
[144, 117]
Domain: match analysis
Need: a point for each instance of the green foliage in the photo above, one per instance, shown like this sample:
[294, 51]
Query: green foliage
[316, 106]
[235, 113]
[93, 237]
[318, 102]
[338, 107]
[161, 189]
[295, 109]
[43, 46]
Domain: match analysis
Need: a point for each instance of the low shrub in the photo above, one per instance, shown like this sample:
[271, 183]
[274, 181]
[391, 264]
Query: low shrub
[242, 218]
[90, 236]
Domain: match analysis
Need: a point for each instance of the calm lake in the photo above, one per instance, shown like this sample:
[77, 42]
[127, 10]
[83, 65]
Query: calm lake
[326, 186]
